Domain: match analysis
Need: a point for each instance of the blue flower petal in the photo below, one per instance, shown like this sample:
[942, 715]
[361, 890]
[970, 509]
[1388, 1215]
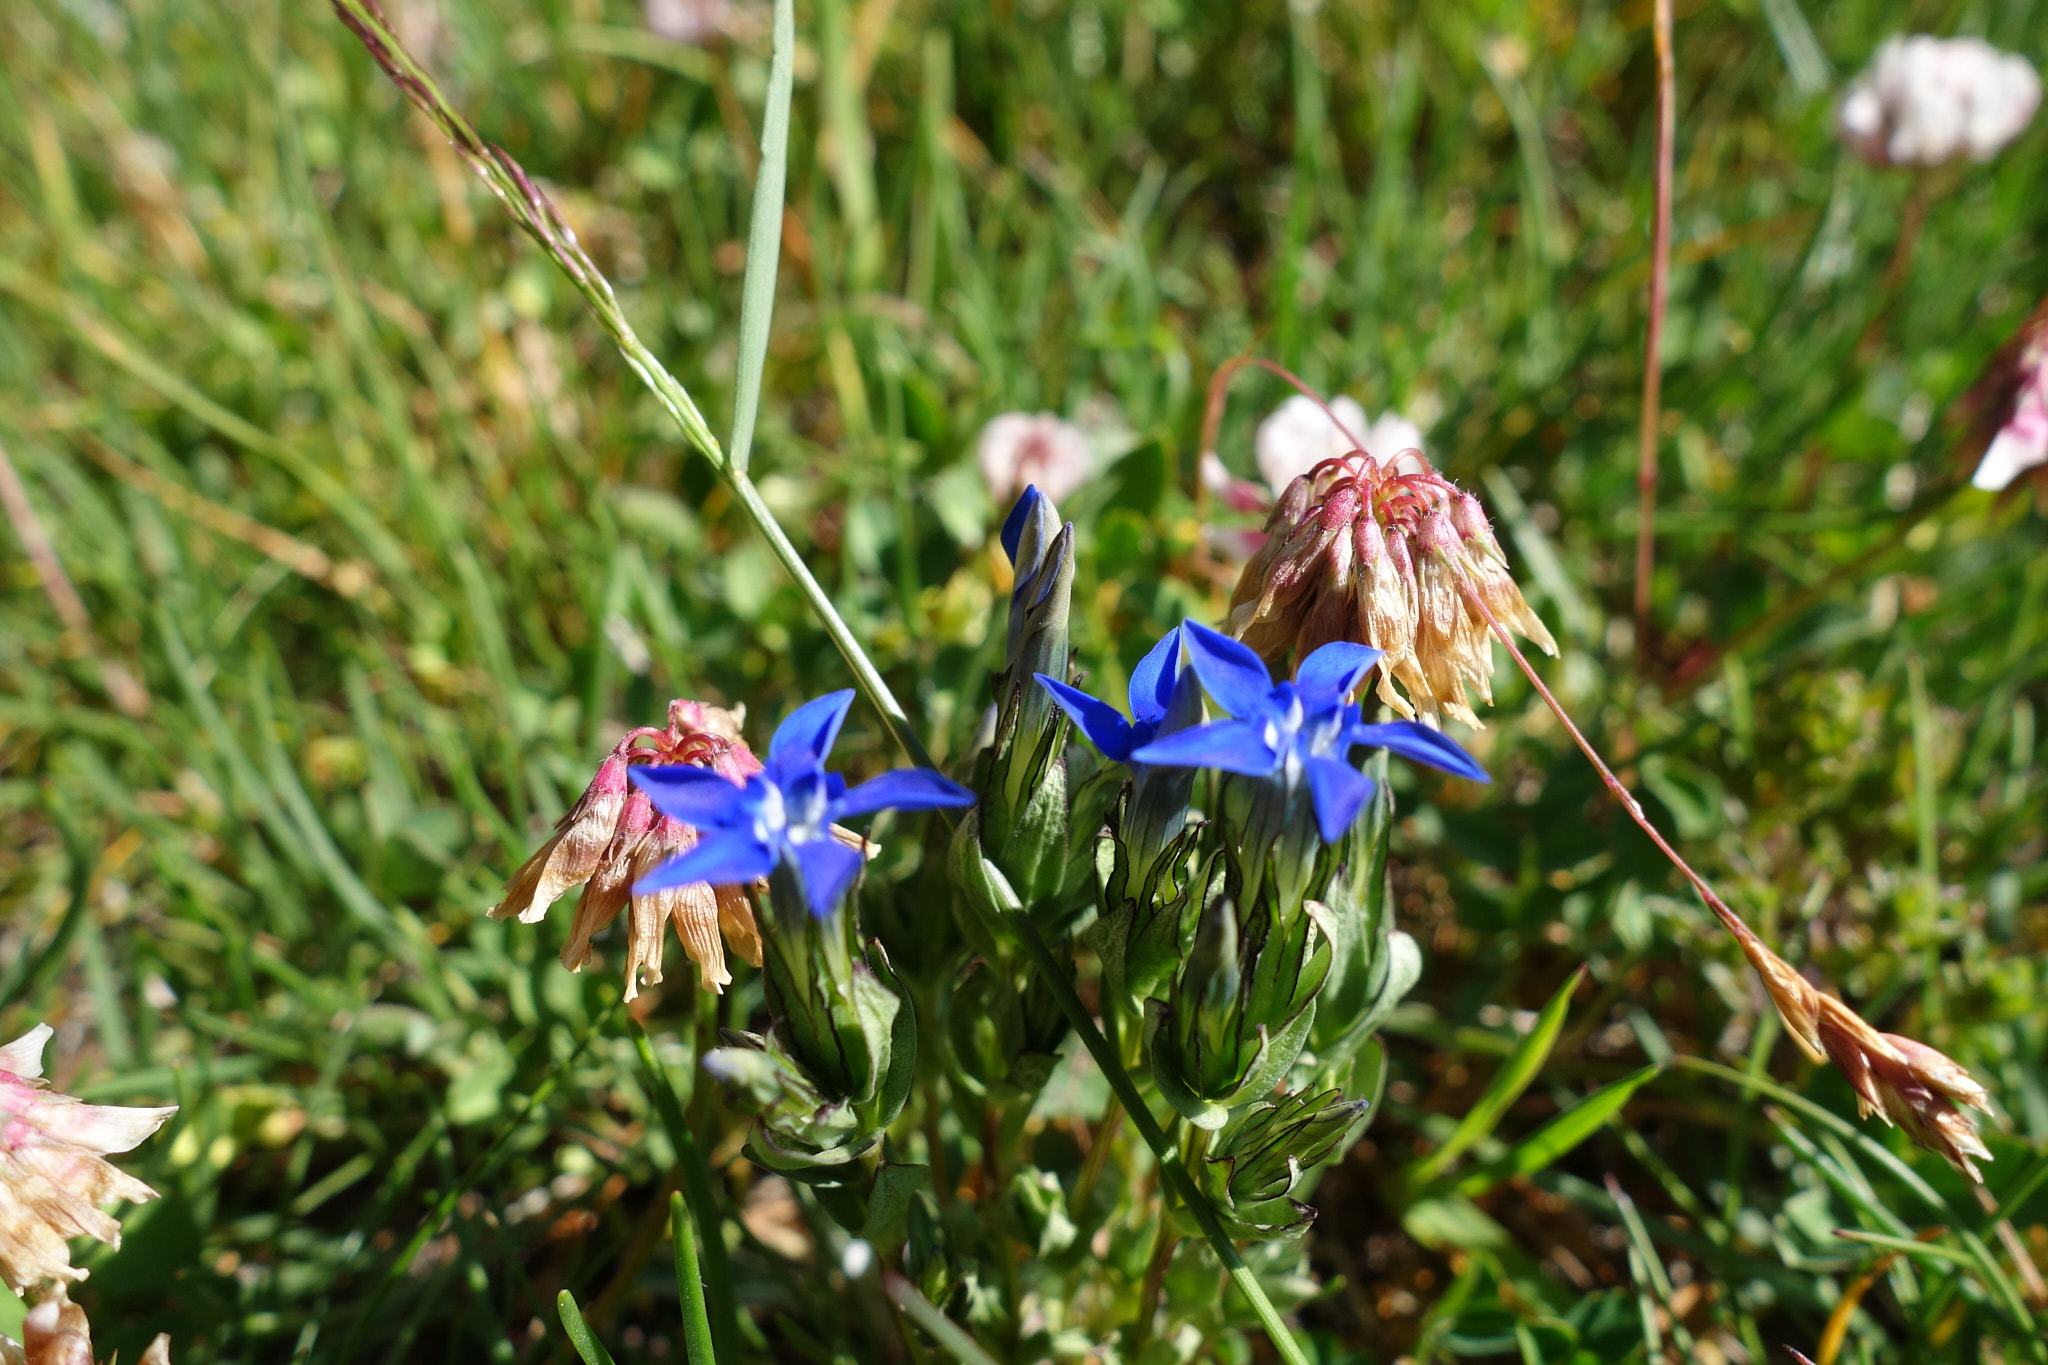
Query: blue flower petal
[728, 858]
[1234, 676]
[696, 796]
[1106, 730]
[1339, 791]
[902, 789]
[1013, 525]
[829, 867]
[812, 727]
[1333, 672]
[1231, 746]
[1153, 679]
[1420, 744]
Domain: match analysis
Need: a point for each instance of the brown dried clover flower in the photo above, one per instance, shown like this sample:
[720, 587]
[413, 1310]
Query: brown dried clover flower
[1382, 554]
[612, 837]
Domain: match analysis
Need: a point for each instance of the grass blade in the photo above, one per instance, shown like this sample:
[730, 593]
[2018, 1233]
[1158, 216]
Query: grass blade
[1506, 1087]
[764, 240]
[920, 1310]
[1561, 1134]
[580, 1336]
[697, 1347]
[696, 1180]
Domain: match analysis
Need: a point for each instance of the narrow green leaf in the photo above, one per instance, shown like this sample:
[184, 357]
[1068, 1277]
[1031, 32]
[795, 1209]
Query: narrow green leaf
[696, 1180]
[1933, 1251]
[764, 239]
[697, 1348]
[580, 1336]
[1560, 1135]
[1507, 1085]
[952, 1339]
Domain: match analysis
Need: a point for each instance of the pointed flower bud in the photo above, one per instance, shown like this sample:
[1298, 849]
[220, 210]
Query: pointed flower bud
[1262, 1159]
[53, 1169]
[1383, 554]
[1240, 1011]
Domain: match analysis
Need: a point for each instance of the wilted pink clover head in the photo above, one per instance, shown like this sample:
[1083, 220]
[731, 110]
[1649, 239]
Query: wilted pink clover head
[2022, 441]
[54, 1175]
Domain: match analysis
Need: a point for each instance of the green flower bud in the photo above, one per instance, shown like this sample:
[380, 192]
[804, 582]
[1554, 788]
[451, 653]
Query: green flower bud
[1005, 1037]
[1265, 1157]
[837, 1063]
[1148, 922]
[1372, 964]
[1240, 1010]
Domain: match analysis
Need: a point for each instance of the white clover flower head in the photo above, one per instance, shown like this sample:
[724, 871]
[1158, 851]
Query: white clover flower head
[54, 1175]
[1928, 101]
[2022, 443]
[1299, 435]
[692, 22]
[1021, 449]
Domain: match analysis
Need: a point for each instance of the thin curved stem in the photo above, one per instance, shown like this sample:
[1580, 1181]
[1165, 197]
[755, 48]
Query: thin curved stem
[1732, 921]
[1219, 384]
[1172, 1172]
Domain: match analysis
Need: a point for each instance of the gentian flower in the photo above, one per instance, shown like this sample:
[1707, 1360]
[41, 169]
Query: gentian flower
[782, 816]
[1162, 696]
[1297, 732]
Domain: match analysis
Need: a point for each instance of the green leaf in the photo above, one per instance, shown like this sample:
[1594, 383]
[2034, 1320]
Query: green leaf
[1560, 1135]
[697, 1348]
[1507, 1086]
[764, 238]
[580, 1336]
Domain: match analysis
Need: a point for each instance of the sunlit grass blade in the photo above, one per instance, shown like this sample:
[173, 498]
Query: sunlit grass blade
[697, 1348]
[764, 240]
[723, 1305]
[538, 216]
[580, 1336]
[1559, 1136]
[1506, 1087]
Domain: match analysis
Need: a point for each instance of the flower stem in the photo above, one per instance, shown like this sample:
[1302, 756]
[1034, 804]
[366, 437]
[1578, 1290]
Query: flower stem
[1172, 1171]
[1728, 917]
[1653, 343]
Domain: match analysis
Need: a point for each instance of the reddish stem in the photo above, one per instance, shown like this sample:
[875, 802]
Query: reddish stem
[1728, 917]
[1653, 345]
[1212, 410]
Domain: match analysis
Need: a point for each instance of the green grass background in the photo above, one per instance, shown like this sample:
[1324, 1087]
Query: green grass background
[242, 286]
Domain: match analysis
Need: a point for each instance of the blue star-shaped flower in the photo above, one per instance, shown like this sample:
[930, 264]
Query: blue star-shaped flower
[1297, 731]
[1164, 697]
[784, 813]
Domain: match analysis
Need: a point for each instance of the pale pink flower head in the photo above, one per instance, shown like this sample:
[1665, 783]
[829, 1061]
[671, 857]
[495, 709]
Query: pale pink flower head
[1299, 435]
[612, 837]
[694, 22]
[2022, 441]
[53, 1169]
[1929, 101]
[1020, 449]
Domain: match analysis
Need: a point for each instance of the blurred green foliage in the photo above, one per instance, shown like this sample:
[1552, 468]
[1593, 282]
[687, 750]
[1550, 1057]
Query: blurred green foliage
[397, 545]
